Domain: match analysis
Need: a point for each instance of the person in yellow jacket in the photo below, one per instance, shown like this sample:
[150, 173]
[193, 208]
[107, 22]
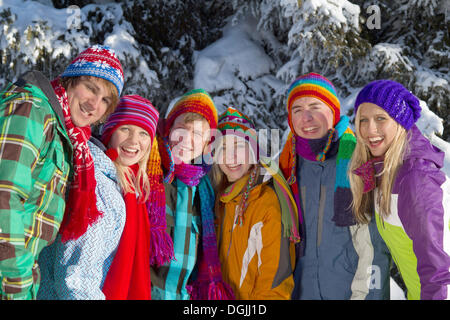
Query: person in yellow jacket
[256, 214]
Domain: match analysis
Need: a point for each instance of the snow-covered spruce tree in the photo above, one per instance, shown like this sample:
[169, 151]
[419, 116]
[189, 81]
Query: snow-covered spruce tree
[307, 36]
[339, 40]
[244, 74]
[37, 45]
[418, 32]
[32, 40]
[174, 30]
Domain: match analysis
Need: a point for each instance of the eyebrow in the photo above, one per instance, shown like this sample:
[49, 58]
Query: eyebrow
[97, 88]
[375, 115]
[92, 83]
[314, 103]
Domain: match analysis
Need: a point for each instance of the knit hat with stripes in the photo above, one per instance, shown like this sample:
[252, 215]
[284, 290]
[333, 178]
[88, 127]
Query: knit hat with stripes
[233, 122]
[196, 101]
[317, 86]
[97, 61]
[135, 110]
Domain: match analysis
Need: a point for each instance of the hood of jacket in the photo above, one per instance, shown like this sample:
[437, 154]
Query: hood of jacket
[102, 162]
[422, 156]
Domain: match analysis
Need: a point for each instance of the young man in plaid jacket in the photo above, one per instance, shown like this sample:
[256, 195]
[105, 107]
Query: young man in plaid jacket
[44, 128]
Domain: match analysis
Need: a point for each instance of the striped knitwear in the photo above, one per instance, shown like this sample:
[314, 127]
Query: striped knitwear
[316, 86]
[97, 61]
[134, 110]
[196, 101]
[233, 122]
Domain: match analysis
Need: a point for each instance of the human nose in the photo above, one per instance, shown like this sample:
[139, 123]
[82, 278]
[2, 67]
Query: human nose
[306, 116]
[372, 127]
[95, 101]
[229, 156]
[133, 137]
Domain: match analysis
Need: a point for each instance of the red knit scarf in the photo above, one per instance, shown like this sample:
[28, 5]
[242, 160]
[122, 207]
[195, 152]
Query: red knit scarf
[81, 205]
[129, 275]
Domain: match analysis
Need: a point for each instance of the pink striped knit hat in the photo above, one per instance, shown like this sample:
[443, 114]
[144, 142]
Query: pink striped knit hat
[132, 109]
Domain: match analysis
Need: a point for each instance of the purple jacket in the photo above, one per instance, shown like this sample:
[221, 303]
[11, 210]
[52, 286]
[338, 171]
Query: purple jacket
[421, 212]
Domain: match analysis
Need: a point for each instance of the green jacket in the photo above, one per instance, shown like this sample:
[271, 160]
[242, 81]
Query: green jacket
[35, 163]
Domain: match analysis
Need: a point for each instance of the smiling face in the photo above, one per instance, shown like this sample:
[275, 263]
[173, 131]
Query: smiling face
[188, 139]
[377, 129]
[234, 158]
[311, 118]
[89, 98]
[131, 143]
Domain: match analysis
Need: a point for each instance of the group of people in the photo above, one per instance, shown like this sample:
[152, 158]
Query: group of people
[163, 208]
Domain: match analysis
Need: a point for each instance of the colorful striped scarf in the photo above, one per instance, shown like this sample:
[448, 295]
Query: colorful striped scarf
[341, 140]
[208, 284]
[161, 244]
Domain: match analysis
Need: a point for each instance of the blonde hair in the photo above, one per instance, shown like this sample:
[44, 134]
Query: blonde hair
[363, 203]
[131, 183]
[218, 180]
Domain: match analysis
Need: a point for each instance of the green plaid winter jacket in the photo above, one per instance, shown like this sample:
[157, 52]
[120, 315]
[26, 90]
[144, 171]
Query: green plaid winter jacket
[35, 163]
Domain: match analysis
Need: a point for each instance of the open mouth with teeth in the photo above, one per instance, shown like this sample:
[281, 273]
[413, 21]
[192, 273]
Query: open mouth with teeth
[310, 130]
[375, 142]
[130, 152]
[183, 151]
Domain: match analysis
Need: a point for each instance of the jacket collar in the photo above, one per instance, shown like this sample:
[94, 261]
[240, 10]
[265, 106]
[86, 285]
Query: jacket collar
[234, 191]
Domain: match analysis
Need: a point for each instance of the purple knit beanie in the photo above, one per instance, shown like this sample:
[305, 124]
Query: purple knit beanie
[394, 98]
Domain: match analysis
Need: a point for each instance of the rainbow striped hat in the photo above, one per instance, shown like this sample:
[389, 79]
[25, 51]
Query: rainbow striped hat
[135, 110]
[196, 101]
[233, 122]
[317, 86]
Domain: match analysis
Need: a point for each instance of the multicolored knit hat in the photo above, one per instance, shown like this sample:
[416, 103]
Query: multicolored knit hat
[135, 110]
[395, 99]
[97, 61]
[197, 101]
[233, 122]
[317, 86]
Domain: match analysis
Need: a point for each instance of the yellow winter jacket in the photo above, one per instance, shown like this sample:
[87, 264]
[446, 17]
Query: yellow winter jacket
[256, 260]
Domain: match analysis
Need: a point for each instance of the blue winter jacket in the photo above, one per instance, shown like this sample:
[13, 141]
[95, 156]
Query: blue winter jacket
[339, 263]
[76, 270]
